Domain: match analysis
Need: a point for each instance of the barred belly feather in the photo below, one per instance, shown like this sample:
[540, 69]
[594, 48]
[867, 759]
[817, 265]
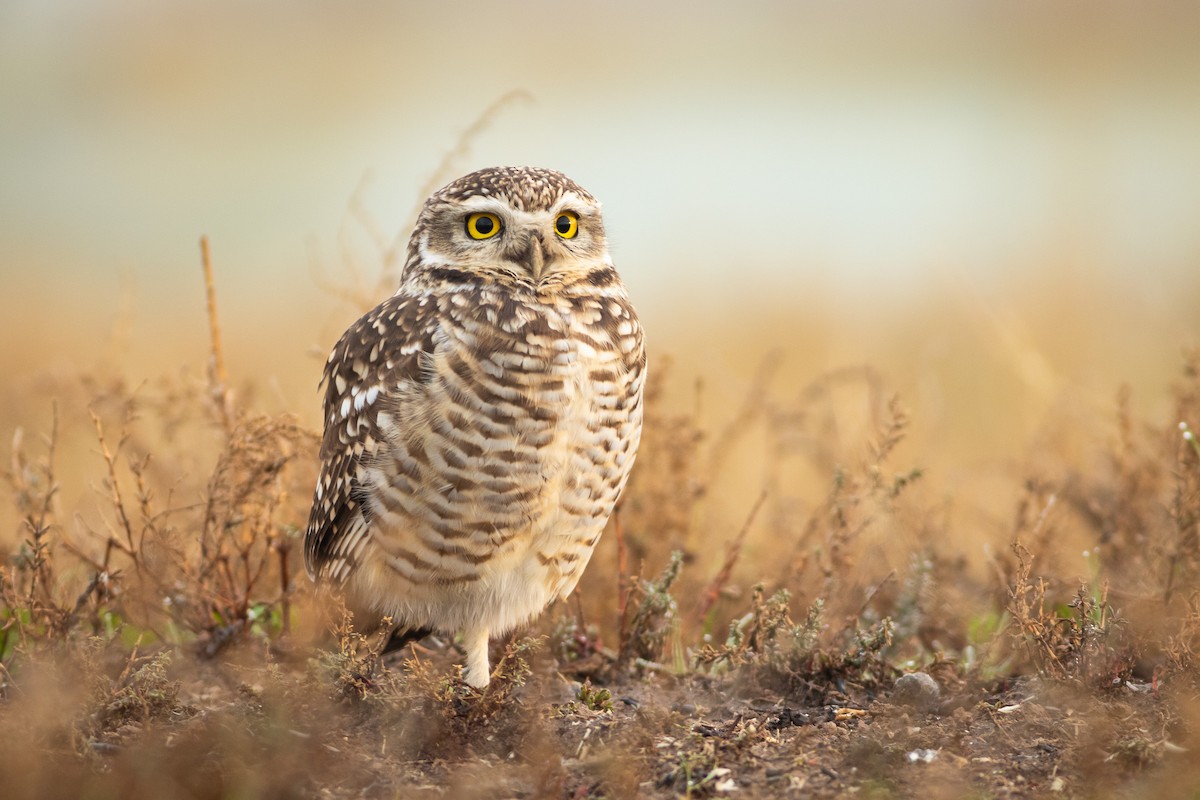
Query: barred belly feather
[501, 472]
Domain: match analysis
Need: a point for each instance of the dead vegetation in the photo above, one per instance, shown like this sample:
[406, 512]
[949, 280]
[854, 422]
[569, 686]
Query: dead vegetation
[156, 641]
[170, 632]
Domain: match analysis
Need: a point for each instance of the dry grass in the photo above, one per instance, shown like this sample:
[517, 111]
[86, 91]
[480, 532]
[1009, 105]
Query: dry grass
[155, 639]
[166, 646]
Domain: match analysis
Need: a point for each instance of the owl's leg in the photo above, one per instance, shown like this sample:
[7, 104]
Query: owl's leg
[477, 672]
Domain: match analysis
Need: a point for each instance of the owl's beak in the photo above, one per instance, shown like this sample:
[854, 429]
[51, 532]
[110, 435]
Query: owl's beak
[534, 258]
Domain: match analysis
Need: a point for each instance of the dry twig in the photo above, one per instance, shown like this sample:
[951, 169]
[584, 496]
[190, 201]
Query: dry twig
[218, 377]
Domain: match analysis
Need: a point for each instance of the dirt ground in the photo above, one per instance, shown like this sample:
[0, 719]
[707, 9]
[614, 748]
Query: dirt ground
[177, 726]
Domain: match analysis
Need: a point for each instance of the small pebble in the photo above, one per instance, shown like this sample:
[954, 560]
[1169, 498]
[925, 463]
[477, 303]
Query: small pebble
[916, 689]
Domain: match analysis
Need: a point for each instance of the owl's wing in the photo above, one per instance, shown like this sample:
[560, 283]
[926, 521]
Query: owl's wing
[374, 358]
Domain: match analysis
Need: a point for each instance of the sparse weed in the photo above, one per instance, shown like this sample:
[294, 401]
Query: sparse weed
[140, 694]
[655, 618]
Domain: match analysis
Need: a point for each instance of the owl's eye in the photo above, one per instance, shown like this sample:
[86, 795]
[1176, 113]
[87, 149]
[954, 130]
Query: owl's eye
[482, 225]
[567, 224]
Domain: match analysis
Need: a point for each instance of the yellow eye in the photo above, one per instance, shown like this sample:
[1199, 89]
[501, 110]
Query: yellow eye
[567, 224]
[482, 225]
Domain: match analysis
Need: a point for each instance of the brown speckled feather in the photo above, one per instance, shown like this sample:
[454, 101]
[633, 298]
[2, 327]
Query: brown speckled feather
[378, 354]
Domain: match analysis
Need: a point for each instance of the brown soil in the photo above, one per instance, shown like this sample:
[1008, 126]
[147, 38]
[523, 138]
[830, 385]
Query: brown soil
[230, 728]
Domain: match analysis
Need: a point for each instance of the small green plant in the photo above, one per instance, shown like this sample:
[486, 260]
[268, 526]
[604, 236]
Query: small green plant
[655, 618]
[596, 699]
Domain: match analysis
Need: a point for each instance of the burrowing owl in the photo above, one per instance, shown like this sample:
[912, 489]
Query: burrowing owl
[481, 422]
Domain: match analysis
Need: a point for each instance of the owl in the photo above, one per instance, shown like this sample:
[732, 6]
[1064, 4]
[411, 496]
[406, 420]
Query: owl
[481, 422]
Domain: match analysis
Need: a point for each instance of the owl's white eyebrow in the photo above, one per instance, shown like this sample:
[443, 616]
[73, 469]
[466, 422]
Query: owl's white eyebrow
[482, 203]
[569, 200]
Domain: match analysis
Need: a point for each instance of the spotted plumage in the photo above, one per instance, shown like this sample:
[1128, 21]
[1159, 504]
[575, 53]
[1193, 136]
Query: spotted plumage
[481, 423]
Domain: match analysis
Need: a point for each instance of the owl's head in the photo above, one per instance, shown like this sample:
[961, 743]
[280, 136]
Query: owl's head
[521, 226]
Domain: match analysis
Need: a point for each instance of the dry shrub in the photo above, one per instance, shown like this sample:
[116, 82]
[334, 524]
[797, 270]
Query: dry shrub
[655, 618]
[119, 707]
[828, 550]
[656, 512]
[767, 651]
[1134, 618]
[155, 565]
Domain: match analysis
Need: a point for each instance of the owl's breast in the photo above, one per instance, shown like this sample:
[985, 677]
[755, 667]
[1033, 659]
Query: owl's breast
[581, 427]
[545, 381]
[509, 453]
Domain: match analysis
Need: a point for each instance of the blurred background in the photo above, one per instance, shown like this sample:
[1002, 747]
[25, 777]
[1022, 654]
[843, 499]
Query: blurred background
[993, 207]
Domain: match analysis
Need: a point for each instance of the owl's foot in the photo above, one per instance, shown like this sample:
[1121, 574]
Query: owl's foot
[476, 672]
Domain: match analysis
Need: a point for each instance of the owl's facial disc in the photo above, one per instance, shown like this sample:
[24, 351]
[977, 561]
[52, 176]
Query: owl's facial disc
[542, 241]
